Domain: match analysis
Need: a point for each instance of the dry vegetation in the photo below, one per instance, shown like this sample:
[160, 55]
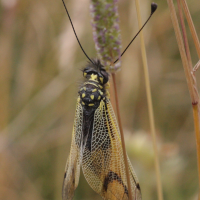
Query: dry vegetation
[39, 77]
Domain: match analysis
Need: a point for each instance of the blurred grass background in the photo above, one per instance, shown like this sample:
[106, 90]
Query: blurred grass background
[39, 79]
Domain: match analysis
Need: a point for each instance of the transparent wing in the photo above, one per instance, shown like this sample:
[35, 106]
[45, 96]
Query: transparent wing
[72, 169]
[103, 164]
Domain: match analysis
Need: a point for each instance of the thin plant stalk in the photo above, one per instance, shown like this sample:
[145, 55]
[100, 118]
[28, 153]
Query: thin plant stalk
[182, 52]
[191, 26]
[196, 106]
[184, 34]
[197, 129]
[193, 70]
[193, 33]
[190, 80]
[122, 137]
[150, 106]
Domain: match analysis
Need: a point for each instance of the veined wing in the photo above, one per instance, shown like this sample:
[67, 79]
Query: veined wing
[72, 169]
[103, 162]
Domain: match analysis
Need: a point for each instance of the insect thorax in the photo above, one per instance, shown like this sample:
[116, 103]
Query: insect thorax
[95, 87]
[91, 94]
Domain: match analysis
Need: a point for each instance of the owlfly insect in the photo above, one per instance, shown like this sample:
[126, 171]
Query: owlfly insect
[96, 141]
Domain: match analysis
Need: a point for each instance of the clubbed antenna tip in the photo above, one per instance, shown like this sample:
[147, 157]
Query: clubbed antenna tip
[153, 7]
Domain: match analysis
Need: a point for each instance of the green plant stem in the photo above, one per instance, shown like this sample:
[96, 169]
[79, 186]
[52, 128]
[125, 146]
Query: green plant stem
[122, 138]
[150, 106]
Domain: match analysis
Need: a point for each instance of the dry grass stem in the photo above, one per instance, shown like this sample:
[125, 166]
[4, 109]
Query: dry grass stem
[184, 34]
[196, 108]
[191, 80]
[197, 129]
[191, 25]
[187, 48]
[182, 51]
[196, 67]
[150, 106]
[122, 136]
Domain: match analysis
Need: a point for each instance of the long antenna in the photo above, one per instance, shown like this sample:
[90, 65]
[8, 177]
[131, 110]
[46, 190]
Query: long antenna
[153, 9]
[75, 32]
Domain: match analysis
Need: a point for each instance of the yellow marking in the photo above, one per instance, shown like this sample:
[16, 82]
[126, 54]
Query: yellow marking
[91, 104]
[85, 74]
[100, 92]
[101, 79]
[92, 97]
[99, 97]
[79, 99]
[107, 85]
[83, 103]
[94, 90]
[101, 87]
[93, 77]
[83, 95]
[84, 88]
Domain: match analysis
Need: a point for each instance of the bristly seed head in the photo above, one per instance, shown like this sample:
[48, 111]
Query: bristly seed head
[106, 31]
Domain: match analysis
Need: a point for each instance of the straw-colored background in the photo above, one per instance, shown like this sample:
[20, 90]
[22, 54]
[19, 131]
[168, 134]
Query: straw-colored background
[40, 64]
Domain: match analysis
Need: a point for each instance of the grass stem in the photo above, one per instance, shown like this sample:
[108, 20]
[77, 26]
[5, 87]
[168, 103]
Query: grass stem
[150, 106]
[184, 34]
[122, 137]
[191, 26]
[184, 59]
[190, 77]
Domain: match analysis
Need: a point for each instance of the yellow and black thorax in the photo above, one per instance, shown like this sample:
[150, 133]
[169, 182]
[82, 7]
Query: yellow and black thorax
[94, 88]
